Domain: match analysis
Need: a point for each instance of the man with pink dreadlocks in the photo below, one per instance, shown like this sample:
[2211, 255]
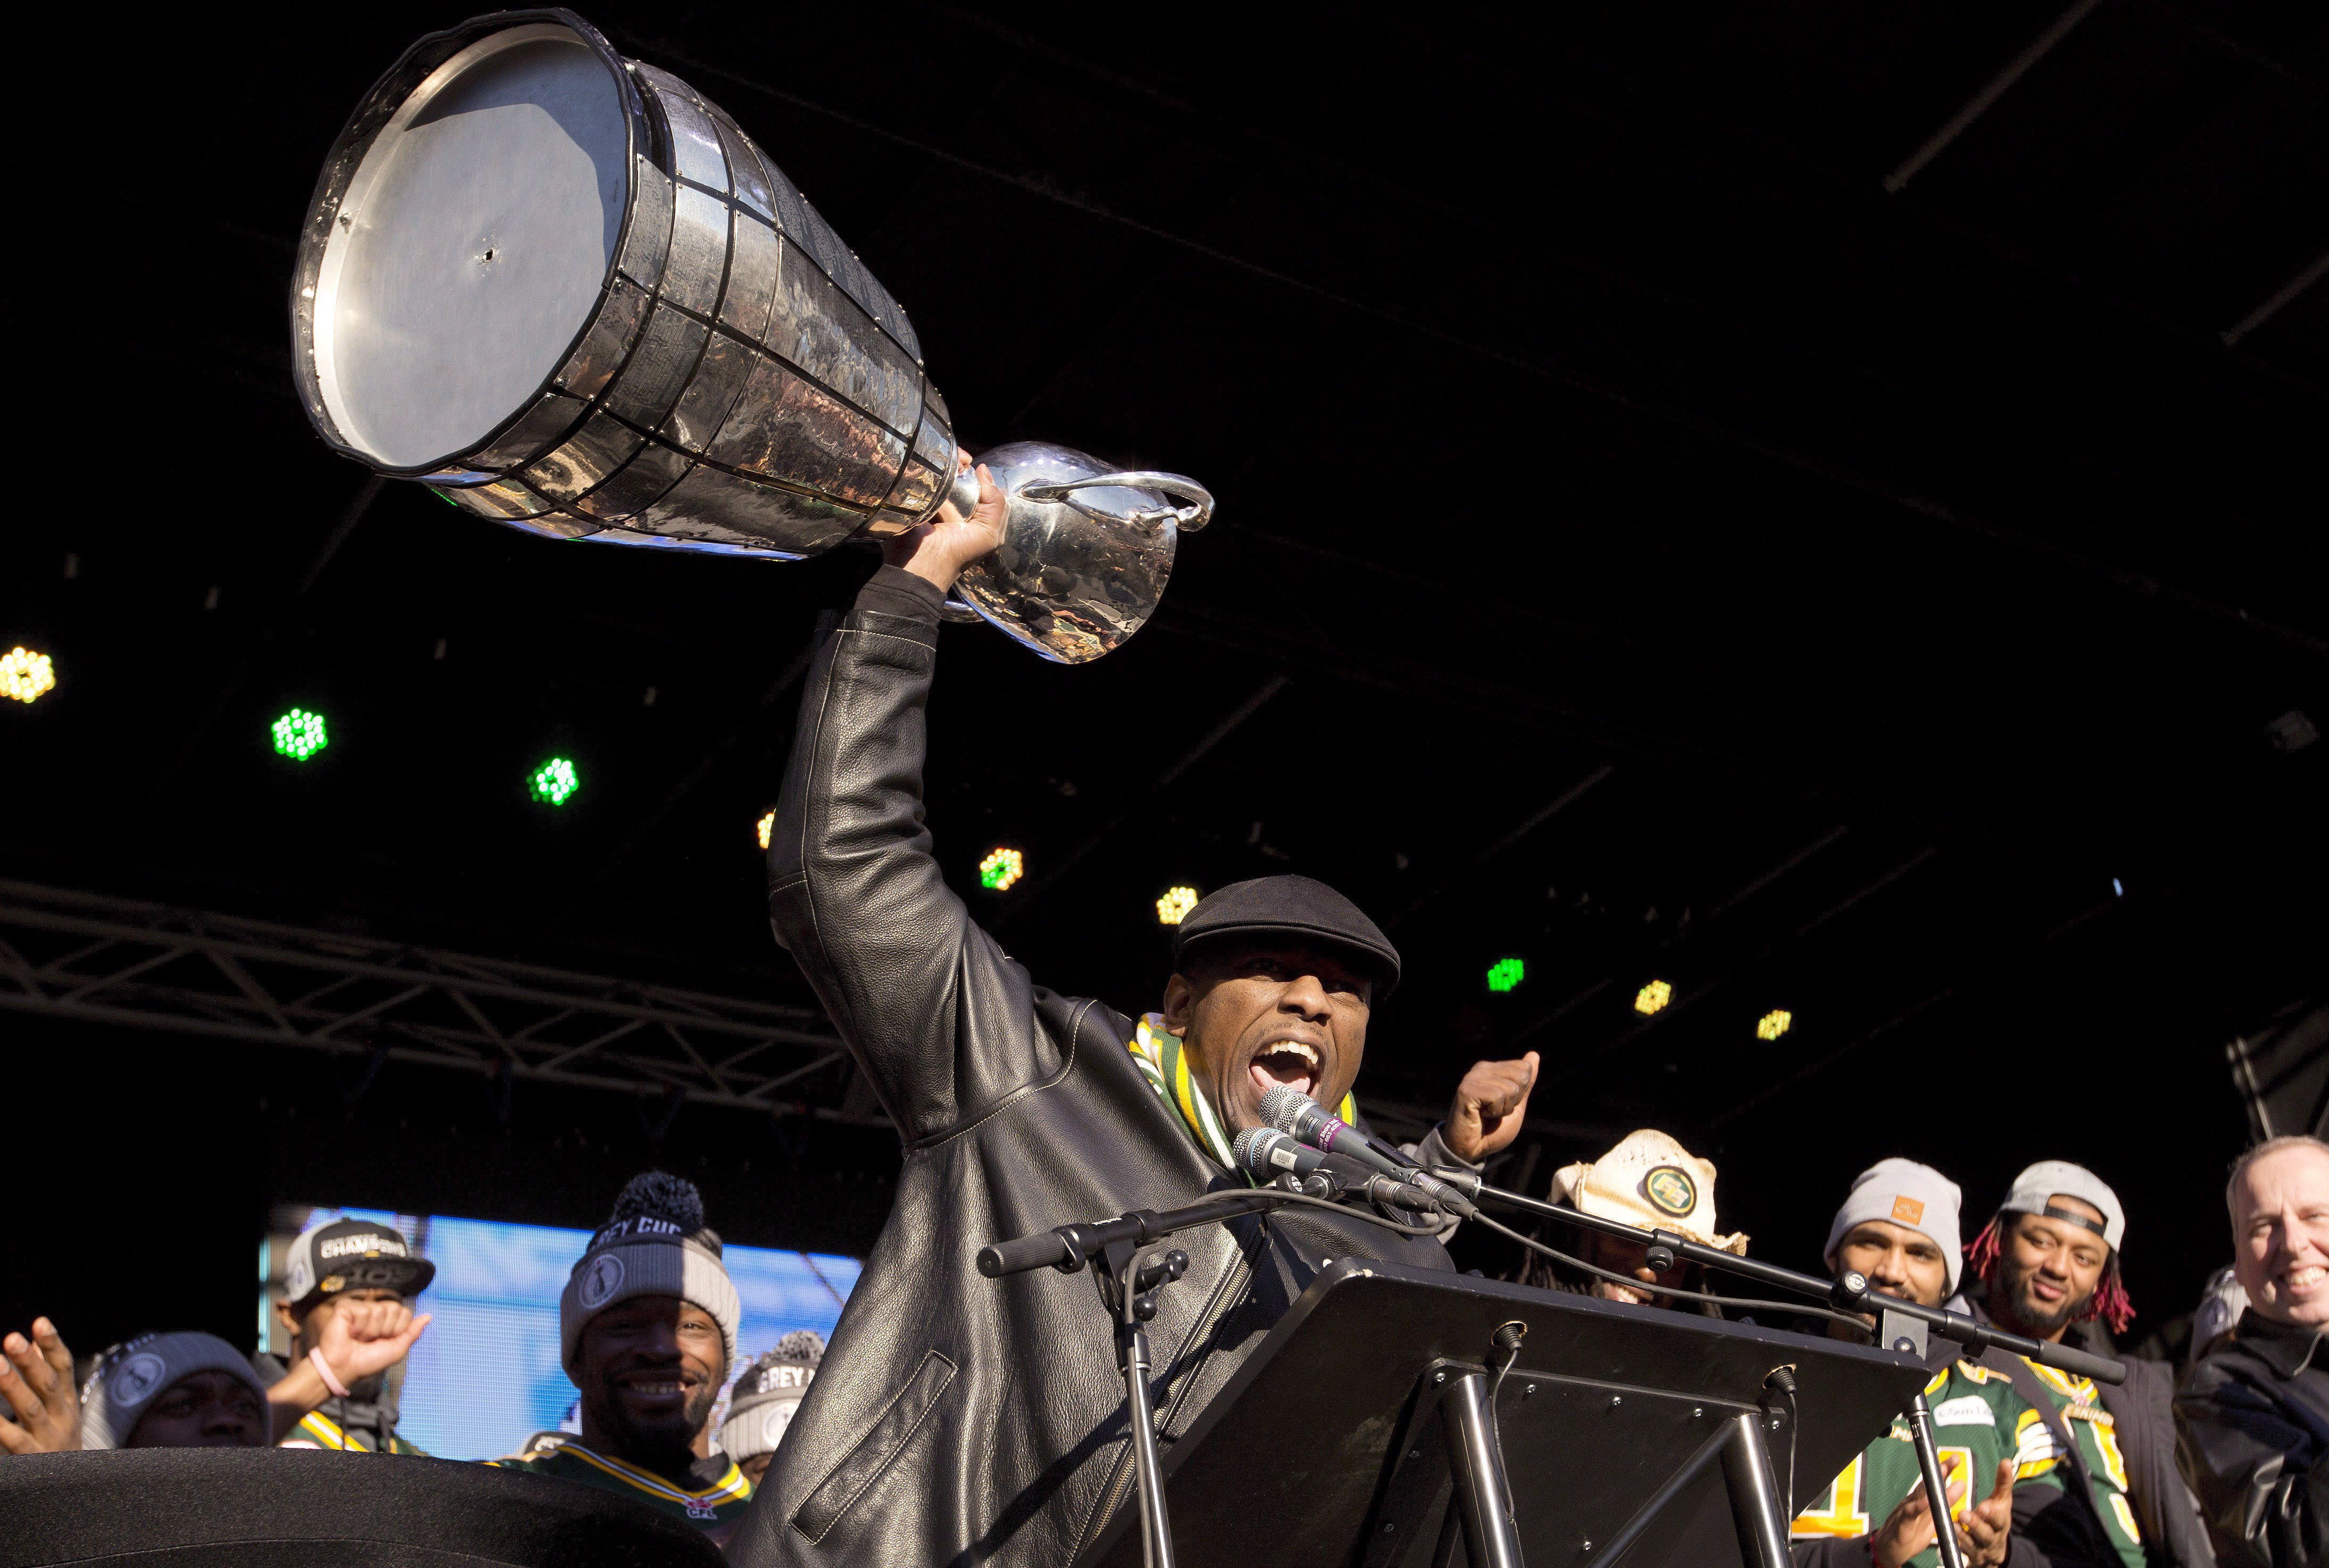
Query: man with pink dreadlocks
[2047, 1261]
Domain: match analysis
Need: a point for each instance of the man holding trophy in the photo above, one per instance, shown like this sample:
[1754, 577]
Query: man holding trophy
[570, 295]
[978, 1420]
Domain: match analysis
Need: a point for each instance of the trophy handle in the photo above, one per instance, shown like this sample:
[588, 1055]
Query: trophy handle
[1188, 519]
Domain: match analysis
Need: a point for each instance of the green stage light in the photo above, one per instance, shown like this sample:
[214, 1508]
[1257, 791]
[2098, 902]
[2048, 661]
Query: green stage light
[554, 780]
[1507, 973]
[1001, 868]
[300, 734]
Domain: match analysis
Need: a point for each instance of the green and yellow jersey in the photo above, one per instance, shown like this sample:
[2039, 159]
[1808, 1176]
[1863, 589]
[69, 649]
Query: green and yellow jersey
[715, 1508]
[2091, 1427]
[317, 1430]
[1978, 1420]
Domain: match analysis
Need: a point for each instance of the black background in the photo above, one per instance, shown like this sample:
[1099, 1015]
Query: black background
[1923, 567]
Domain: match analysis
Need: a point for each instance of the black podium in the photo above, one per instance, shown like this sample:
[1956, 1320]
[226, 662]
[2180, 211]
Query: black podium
[1362, 1434]
[301, 1509]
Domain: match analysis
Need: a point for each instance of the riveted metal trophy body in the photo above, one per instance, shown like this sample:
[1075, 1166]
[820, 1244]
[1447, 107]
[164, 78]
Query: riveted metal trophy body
[569, 294]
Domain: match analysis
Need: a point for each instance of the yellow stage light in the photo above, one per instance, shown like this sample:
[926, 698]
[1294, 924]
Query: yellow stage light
[765, 825]
[25, 675]
[1001, 868]
[1652, 997]
[1773, 1023]
[1174, 906]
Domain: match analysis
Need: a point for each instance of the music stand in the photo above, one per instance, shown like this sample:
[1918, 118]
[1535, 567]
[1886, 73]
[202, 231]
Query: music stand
[1360, 1434]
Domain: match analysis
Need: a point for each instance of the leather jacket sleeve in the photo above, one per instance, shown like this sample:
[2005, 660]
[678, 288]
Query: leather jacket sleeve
[939, 1018]
[2244, 1457]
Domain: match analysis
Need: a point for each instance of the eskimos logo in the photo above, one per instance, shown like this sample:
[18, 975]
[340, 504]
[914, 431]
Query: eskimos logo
[1670, 1190]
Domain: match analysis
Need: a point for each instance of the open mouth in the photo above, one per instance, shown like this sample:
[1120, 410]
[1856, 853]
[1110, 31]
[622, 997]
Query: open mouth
[1290, 1061]
[2304, 1281]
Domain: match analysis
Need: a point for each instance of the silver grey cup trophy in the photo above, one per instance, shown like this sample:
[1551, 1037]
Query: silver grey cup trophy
[569, 294]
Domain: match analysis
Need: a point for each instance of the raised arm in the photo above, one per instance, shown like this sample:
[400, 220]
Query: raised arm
[940, 1019]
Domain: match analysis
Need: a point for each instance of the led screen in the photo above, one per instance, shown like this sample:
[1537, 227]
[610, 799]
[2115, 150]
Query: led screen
[484, 1375]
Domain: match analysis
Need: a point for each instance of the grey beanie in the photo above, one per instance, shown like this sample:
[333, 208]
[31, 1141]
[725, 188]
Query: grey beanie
[133, 1374]
[1907, 1194]
[761, 1404]
[655, 1244]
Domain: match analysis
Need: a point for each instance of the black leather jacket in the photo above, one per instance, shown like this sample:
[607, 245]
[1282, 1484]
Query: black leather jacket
[956, 1419]
[2254, 1422]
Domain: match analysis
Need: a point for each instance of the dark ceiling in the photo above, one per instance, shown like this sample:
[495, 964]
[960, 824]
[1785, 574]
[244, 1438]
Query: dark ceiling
[1818, 504]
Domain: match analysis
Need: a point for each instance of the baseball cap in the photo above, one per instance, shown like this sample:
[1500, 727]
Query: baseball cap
[2050, 1177]
[350, 1255]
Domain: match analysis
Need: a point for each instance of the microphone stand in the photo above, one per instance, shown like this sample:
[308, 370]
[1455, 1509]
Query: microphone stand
[1128, 1288]
[1898, 1319]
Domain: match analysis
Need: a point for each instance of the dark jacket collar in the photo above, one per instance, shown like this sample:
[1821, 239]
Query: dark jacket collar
[2287, 1347]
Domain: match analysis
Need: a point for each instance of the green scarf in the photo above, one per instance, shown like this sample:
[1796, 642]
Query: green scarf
[1159, 1054]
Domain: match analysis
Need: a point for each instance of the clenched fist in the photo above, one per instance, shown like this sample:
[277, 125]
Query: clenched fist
[1486, 1114]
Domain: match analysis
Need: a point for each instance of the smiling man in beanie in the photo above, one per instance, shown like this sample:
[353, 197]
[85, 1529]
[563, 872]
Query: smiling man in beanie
[1899, 1228]
[965, 1420]
[646, 1330]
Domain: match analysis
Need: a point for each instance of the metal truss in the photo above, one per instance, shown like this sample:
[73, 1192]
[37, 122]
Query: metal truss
[70, 954]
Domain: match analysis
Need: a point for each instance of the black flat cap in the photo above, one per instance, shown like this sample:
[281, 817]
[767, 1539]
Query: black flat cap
[1290, 906]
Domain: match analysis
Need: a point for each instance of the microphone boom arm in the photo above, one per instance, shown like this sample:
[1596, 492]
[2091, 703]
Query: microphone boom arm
[1850, 1293]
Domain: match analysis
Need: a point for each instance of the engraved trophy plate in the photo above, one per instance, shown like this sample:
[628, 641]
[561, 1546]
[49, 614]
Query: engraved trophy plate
[570, 295]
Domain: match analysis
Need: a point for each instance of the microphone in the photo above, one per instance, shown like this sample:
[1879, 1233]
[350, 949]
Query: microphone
[1270, 1154]
[1265, 1151]
[1294, 1113]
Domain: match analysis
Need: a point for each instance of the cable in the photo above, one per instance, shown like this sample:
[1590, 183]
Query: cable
[1631, 1283]
[1349, 1212]
[1783, 1380]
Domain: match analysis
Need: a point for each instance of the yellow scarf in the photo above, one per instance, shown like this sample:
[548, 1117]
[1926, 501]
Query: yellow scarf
[1159, 1054]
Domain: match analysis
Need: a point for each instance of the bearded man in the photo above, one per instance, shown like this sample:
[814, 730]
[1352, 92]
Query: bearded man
[646, 1330]
[964, 1420]
[2047, 1261]
[1898, 1228]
